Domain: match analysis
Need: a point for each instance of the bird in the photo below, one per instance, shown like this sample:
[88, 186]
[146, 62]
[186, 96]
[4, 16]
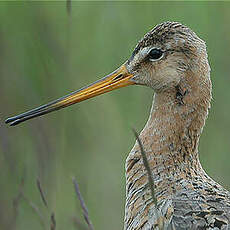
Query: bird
[171, 60]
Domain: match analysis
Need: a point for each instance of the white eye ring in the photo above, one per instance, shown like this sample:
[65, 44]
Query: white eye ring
[155, 54]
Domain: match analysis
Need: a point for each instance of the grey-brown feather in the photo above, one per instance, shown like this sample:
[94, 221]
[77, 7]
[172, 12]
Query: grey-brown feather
[188, 198]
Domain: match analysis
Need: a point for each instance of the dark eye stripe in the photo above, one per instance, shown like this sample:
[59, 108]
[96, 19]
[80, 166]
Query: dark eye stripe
[155, 54]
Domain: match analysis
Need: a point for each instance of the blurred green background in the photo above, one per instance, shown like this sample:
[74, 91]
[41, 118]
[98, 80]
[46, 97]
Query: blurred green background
[46, 53]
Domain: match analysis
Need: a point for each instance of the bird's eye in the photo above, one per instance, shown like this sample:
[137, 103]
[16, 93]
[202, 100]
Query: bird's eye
[155, 54]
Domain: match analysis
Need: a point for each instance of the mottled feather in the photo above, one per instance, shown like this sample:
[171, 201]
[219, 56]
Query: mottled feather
[188, 198]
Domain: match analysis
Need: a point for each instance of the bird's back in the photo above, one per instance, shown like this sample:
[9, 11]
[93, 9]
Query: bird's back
[202, 205]
[189, 199]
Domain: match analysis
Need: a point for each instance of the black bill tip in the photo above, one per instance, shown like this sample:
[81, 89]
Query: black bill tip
[8, 120]
[13, 123]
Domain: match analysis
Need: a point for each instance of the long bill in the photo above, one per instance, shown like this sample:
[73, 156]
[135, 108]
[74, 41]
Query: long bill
[119, 78]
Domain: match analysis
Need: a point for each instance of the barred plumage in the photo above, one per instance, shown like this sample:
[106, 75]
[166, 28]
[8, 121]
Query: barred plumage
[187, 197]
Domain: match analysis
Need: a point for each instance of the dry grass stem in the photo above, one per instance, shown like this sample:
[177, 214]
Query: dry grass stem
[53, 222]
[83, 206]
[78, 224]
[41, 193]
[36, 210]
[146, 164]
[68, 7]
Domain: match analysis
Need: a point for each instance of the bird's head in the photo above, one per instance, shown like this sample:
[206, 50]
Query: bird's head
[158, 61]
[164, 54]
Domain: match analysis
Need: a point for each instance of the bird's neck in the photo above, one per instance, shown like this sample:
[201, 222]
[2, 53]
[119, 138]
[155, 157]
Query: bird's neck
[171, 136]
[176, 121]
